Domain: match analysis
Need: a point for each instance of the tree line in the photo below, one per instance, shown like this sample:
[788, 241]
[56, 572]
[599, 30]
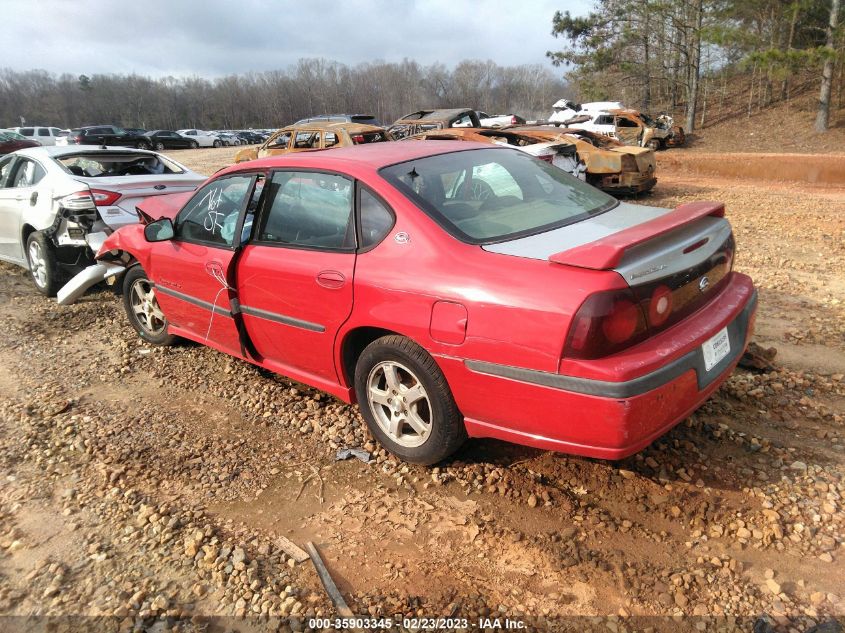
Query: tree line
[274, 98]
[655, 54]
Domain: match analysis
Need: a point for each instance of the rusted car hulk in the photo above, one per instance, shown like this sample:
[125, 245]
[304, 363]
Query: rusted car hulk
[314, 135]
[426, 120]
[610, 165]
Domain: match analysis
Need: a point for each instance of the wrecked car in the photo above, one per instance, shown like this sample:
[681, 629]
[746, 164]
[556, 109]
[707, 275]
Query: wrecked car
[57, 204]
[631, 128]
[319, 134]
[426, 120]
[374, 273]
[602, 162]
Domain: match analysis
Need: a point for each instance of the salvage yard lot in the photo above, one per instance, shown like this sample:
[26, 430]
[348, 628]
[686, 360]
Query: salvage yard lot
[161, 479]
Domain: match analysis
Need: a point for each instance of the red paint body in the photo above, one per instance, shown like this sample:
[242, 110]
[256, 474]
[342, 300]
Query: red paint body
[457, 301]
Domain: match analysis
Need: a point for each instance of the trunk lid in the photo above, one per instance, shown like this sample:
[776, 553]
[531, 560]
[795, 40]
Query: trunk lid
[673, 260]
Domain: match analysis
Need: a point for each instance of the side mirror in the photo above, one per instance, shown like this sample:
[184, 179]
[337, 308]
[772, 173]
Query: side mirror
[159, 231]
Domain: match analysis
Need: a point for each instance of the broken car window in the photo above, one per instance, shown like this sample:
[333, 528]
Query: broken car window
[212, 214]
[100, 164]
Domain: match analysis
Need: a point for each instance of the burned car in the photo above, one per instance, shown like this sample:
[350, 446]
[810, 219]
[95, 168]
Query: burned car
[427, 120]
[57, 204]
[547, 314]
[314, 135]
[601, 161]
[631, 127]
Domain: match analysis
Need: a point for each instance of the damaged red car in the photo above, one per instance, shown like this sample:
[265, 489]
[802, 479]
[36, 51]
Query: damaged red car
[451, 290]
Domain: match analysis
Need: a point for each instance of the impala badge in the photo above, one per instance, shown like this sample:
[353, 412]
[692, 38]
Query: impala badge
[703, 283]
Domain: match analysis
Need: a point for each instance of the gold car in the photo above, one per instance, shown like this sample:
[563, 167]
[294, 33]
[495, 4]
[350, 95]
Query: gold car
[314, 135]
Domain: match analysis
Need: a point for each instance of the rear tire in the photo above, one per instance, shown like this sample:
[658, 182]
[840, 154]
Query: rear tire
[43, 265]
[654, 144]
[142, 146]
[406, 401]
[217, 143]
[142, 308]
[159, 147]
[194, 145]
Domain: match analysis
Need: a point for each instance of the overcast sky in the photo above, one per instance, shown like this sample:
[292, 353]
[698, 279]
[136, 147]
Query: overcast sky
[218, 37]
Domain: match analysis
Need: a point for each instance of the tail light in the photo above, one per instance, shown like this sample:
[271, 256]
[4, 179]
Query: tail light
[79, 201]
[357, 138]
[513, 120]
[103, 198]
[547, 157]
[605, 323]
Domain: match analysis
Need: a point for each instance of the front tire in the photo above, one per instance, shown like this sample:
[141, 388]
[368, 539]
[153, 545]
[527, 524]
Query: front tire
[654, 144]
[406, 401]
[216, 143]
[141, 305]
[159, 146]
[142, 146]
[43, 265]
[194, 145]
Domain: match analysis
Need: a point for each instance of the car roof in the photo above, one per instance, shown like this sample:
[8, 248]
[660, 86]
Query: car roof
[57, 151]
[370, 157]
[334, 125]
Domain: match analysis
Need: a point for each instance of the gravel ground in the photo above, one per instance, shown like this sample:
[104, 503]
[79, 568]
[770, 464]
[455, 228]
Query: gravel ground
[146, 487]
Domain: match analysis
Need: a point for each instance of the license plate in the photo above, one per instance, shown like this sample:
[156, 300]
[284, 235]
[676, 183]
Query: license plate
[716, 348]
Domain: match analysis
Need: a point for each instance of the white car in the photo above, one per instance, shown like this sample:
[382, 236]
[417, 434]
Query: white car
[44, 135]
[57, 204]
[499, 120]
[564, 110]
[203, 139]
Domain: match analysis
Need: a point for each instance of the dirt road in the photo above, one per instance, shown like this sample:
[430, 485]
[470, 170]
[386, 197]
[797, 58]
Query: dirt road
[142, 483]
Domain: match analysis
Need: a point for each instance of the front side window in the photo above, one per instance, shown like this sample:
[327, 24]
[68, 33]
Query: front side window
[43, 131]
[491, 195]
[28, 174]
[331, 140]
[212, 214]
[280, 142]
[5, 169]
[308, 209]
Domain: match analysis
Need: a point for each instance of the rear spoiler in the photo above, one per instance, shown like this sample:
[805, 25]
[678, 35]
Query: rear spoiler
[607, 252]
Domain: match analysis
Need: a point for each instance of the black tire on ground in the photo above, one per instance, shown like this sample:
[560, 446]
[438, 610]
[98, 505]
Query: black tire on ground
[152, 329]
[194, 145]
[43, 265]
[447, 432]
[159, 146]
[654, 144]
[142, 145]
[217, 143]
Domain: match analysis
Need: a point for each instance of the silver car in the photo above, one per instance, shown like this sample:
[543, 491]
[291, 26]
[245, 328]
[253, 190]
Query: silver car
[57, 204]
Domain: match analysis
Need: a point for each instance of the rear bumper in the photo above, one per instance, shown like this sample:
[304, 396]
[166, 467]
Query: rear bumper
[624, 183]
[595, 418]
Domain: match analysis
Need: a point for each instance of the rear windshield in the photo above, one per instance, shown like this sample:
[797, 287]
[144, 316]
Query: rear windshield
[369, 137]
[104, 165]
[493, 195]
[363, 118]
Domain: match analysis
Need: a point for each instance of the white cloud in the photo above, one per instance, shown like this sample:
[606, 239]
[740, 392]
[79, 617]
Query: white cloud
[219, 37]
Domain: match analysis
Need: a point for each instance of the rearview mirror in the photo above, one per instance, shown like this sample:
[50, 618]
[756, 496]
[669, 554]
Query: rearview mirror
[159, 231]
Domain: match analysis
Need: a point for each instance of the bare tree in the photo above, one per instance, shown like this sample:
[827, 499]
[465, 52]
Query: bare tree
[823, 113]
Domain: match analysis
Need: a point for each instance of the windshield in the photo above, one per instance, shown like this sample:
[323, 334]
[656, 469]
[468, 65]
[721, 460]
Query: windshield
[492, 195]
[11, 136]
[105, 165]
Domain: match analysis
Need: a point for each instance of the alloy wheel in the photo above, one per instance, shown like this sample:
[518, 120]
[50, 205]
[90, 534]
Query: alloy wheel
[399, 403]
[37, 264]
[145, 307]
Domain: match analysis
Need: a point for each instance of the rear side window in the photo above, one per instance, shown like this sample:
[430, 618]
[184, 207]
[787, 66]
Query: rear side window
[369, 137]
[27, 131]
[212, 214]
[307, 140]
[331, 139]
[309, 209]
[376, 220]
[280, 142]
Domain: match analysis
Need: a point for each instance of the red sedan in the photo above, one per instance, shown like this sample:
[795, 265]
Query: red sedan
[451, 291]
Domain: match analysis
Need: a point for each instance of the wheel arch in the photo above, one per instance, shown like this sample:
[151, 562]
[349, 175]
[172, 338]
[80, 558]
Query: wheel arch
[353, 343]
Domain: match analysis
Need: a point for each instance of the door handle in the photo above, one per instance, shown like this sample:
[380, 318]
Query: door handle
[331, 279]
[33, 198]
